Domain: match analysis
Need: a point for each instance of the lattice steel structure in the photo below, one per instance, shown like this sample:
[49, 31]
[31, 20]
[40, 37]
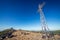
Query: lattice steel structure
[45, 30]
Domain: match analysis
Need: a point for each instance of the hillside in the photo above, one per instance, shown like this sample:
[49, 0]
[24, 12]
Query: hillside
[24, 35]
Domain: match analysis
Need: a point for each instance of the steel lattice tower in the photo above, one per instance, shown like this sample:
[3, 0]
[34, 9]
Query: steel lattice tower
[45, 29]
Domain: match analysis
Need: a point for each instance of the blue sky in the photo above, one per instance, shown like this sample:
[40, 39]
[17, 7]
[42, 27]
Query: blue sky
[23, 14]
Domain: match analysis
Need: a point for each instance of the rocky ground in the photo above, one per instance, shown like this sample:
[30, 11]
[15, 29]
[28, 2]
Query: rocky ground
[27, 35]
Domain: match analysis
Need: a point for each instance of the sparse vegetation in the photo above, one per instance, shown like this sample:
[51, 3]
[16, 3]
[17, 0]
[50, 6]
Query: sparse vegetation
[6, 33]
[23, 34]
[56, 32]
